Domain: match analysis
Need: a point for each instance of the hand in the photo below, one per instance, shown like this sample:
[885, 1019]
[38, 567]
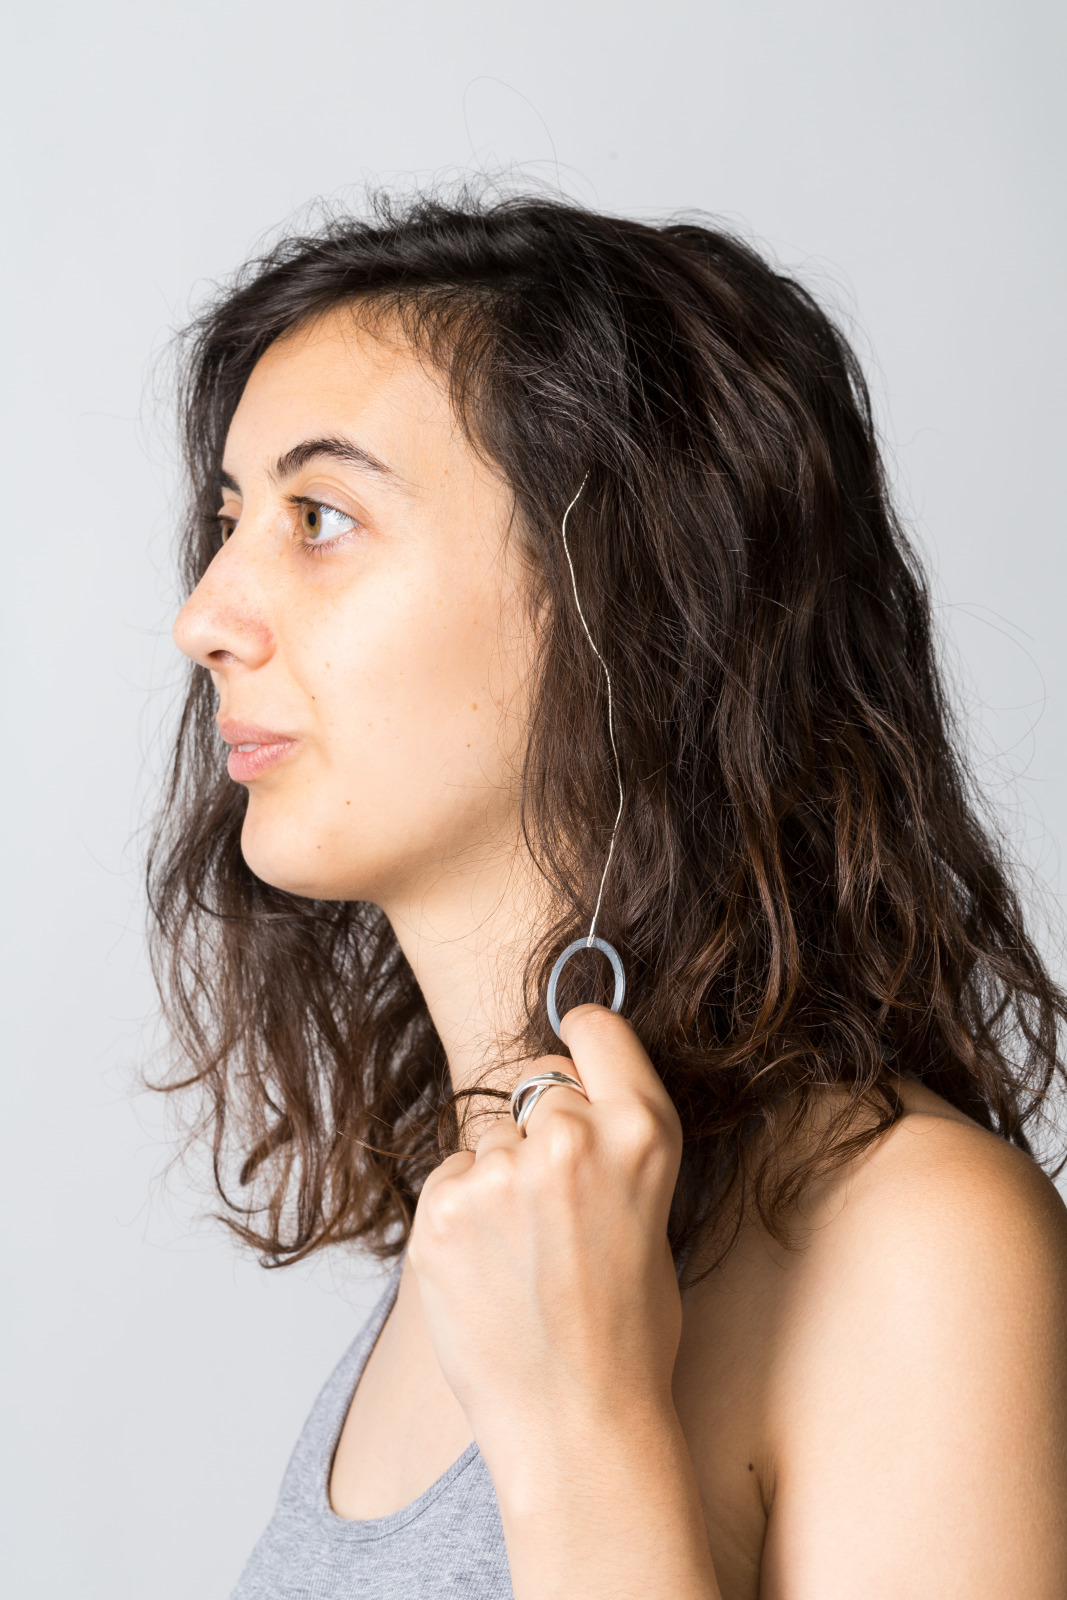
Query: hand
[543, 1264]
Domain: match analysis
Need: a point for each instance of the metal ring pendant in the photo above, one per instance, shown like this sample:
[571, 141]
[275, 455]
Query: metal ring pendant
[617, 967]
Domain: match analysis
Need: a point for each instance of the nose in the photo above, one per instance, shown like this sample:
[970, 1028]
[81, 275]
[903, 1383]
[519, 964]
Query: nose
[222, 625]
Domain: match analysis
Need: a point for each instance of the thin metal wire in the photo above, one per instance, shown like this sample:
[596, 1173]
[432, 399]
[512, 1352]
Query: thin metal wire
[611, 718]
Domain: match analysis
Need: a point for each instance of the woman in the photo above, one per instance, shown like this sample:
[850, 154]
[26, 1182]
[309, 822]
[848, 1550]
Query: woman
[772, 1298]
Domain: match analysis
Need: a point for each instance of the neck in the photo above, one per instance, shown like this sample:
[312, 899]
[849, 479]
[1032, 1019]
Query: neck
[467, 935]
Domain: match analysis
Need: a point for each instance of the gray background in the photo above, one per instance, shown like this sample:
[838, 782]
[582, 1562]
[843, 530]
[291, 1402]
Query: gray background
[903, 157]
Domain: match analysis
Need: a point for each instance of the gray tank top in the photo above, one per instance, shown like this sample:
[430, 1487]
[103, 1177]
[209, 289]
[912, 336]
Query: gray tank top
[446, 1545]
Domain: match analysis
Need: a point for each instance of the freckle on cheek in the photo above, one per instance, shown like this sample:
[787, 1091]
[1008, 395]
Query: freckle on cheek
[474, 705]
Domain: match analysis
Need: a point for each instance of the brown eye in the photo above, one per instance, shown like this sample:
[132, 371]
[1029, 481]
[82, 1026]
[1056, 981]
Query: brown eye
[320, 523]
[226, 527]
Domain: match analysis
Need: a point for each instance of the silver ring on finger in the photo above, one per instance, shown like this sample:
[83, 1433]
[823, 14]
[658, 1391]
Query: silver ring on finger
[526, 1094]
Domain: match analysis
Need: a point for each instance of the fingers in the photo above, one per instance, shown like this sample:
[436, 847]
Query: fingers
[453, 1166]
[616, 1074]
[612, 1062]
[501, 1134]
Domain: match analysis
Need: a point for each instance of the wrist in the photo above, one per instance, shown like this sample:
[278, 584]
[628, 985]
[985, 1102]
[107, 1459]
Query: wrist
[603, 1505]
[564, 1452]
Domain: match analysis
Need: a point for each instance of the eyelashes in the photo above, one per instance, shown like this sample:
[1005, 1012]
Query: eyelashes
[321, 524]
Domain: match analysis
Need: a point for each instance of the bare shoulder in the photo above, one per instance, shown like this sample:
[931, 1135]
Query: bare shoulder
[898, 1376]
[942, 1239]
[938, 1213]
[919, 1375]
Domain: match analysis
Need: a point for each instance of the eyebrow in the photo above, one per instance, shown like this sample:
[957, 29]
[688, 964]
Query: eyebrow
[336, 449]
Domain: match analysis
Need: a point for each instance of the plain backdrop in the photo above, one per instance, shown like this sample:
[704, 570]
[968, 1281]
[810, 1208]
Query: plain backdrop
[903, 158]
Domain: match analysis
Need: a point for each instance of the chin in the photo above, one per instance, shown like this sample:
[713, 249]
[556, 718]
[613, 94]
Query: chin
[292, 858]
[301, 856]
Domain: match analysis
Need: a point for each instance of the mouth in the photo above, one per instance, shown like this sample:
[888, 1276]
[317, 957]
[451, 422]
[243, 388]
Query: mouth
[253, 750]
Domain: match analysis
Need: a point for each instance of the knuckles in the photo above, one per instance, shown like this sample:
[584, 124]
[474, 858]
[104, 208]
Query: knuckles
[634, 1141]
[575, 1150]
[439, 1212]
[494, 1176]
[451, 1202]
[568, 1140]
[641, 1133]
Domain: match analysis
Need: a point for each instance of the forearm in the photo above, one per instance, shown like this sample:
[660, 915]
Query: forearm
[608, 1510]
[552, 1296]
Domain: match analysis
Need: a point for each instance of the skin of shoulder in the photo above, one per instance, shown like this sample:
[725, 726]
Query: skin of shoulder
[897, 1380]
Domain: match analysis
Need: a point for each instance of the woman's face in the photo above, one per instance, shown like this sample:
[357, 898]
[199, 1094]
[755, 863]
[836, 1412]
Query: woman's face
[364, 623]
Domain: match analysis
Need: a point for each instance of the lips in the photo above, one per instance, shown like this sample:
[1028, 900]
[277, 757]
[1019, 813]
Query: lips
[253, 750]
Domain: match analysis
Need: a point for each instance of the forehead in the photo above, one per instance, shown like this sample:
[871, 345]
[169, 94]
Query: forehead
[343, 374]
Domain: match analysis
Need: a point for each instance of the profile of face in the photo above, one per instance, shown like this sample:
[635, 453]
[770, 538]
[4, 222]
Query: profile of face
[365, 622]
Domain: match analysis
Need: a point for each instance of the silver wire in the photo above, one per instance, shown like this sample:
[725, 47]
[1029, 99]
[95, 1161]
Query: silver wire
[611, 718]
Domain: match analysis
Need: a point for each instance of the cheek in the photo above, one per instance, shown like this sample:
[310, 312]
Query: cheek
[416, 732]
[423, 704]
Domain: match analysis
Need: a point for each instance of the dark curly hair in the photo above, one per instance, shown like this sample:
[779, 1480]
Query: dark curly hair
[803, 888]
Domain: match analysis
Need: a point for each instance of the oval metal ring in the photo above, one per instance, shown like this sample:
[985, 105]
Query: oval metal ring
[572, 949]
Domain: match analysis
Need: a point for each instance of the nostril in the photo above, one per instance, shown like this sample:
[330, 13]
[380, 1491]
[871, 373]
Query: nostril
[207, 619]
